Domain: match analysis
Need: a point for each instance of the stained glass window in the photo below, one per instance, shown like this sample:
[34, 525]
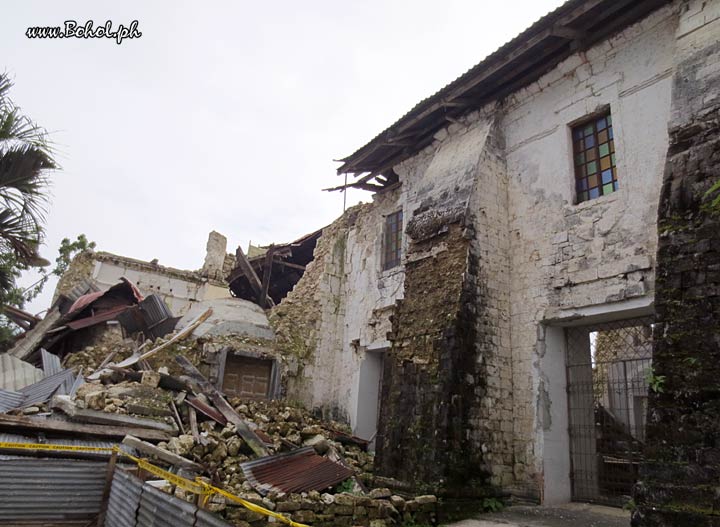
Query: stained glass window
[392, 240]
[594, 154]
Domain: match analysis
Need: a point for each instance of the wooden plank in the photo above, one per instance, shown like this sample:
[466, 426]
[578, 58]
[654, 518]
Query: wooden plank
[224, 407]
[193, 424]
[289, 265]
[14, 422]
[177, 416]
[267, 270]
[33, 338]
[63, 403]
[162, 454]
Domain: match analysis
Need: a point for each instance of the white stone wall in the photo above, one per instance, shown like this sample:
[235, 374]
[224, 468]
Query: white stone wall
[543, 259]
[178, 293]
[566, 256]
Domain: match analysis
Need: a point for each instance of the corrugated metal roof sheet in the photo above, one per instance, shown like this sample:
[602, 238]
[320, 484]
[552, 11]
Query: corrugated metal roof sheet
[50, 489]
[50, 363]
[10, 400]
[594, 19]
[41, 391]
[87, 322]
[301, 470]
[124, 500]
[16, 373]
[205, 519]
[158, 509]
[17, 438]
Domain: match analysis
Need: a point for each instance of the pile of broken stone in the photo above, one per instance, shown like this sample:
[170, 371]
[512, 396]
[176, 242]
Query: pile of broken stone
[164, 427]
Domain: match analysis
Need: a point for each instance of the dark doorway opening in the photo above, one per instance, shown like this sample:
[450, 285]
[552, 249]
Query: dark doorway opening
[608, 371]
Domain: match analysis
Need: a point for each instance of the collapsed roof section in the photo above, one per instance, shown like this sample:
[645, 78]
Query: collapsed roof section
[123, 302]
[268, 277]
[574, 26]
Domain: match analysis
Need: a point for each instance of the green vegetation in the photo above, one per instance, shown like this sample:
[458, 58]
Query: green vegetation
[492, 505]
[656, 382]
[713, 194]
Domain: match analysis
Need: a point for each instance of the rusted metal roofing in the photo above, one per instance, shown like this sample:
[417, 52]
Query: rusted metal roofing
[16, 373]
[301, 470]
[87, 322]
[574, 26]
[207, 410]
[85, 300]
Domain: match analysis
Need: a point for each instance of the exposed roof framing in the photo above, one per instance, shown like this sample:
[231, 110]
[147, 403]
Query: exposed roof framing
[574, 26]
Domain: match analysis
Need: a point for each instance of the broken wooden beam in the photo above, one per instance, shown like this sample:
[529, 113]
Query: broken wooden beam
[193, 424]
[162, 454]
[289, 265]
[267, 271]
[15, 422]
[224, 407]
[63, 403]
[167, 382]
[250, 274]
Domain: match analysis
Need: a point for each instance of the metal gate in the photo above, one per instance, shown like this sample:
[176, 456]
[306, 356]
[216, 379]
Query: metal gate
[608, 371]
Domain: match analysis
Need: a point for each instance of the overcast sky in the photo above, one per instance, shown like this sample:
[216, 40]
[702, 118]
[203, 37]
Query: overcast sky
[228, 115]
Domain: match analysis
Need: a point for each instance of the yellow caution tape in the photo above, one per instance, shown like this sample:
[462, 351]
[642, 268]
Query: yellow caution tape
[176, 480]
[205, 490]
[253, 507]
[42, 446]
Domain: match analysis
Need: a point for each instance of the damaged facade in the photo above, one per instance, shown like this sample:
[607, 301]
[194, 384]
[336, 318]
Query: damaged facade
[504, 318]
[527, 192]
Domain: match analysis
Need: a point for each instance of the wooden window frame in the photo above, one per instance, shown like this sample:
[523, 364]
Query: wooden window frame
[593, 149]
[392, 240]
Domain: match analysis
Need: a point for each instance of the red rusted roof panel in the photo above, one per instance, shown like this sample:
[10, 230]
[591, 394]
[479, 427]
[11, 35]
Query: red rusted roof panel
[299, 471]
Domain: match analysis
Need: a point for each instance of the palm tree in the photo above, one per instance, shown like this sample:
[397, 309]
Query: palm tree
[25, 159]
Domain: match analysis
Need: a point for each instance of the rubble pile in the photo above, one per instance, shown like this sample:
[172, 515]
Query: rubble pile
[379, 508]
[159, 398]
[128, 397]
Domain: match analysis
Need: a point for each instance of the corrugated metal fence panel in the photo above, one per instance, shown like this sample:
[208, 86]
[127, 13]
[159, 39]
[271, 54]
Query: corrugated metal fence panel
[206, 519]
[124, 500]
[158, 509]
[16, 374]
[50, 489]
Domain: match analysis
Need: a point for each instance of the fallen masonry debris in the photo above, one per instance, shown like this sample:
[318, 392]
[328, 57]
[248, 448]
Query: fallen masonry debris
[162, 398]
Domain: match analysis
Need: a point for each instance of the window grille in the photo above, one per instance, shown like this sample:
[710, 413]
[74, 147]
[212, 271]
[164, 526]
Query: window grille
[594, 151]
[392, 240]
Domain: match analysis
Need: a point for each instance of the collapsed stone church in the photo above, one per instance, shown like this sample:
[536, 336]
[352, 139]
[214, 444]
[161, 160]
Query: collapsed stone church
[498, 315]
[530, 304]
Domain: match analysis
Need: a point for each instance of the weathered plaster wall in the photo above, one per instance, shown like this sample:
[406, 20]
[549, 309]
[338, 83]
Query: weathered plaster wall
[679, 479]
[179, 289]
[534, 261]
[567, 256]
